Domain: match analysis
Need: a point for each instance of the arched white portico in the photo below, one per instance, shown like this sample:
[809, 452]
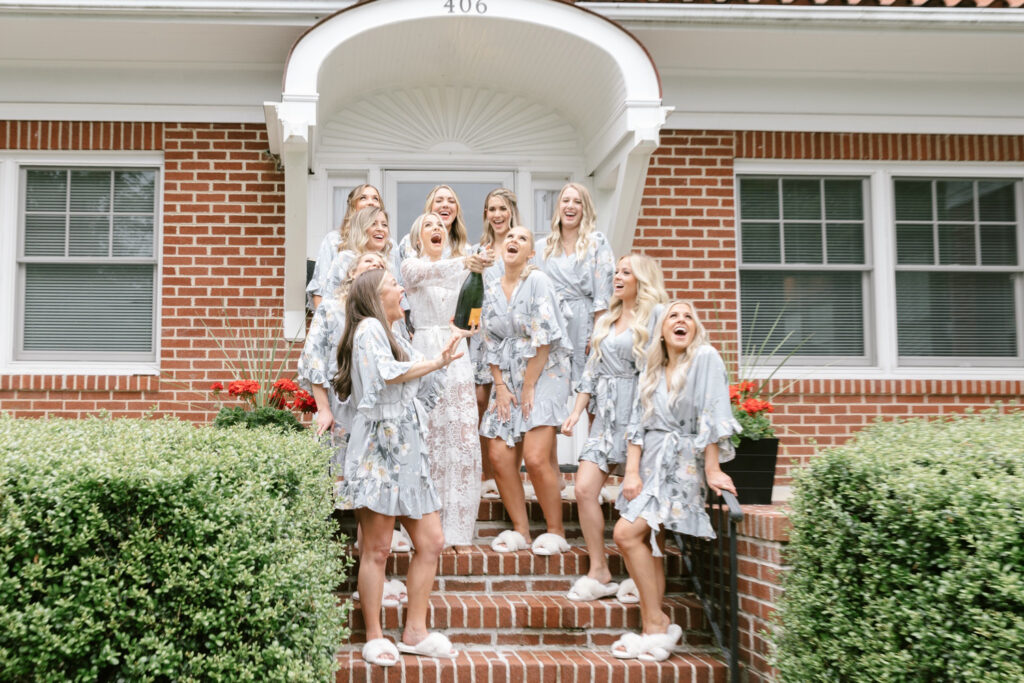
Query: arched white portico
[466, 84]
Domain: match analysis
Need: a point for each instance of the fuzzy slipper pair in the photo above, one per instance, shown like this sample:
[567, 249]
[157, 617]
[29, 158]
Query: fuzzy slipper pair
[489, 490]
[650, 647]
[383, 652]
[509, 541]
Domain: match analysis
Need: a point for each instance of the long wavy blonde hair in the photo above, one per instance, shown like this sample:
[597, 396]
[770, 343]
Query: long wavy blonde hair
[358, 234]
[588, 224]
[507, 197]
[650, 291]
[458, 235]
[350, 210]
[657, 360]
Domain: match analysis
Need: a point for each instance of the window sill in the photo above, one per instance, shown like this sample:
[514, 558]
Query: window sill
[977, 374]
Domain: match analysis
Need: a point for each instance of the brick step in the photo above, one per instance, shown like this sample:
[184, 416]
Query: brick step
[489, 620]
[479, 568]
[517, 665]
[494, 510]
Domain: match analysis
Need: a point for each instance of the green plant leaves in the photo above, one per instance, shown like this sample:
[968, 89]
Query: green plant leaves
[155, 550]
[908, 556]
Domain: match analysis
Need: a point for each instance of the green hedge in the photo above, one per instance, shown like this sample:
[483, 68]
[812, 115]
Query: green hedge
[157, 551]
[908, 556]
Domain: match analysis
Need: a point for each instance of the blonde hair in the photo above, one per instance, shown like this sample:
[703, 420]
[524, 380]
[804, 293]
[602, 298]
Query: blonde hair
[417, 226]
[358, 234]
[350, 273]
[507, 196]
[657, 360]
[350, 209]
[588, 224]
[458, 236]
[650, 291]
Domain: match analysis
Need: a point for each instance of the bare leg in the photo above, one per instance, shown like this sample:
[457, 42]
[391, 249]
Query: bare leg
[428, 538]
[537, 445]
[589, 480]
[373, 555]
[483, 396]
[505, 465]
[633, 540]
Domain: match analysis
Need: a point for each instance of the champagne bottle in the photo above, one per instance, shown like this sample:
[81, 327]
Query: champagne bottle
[471, 300]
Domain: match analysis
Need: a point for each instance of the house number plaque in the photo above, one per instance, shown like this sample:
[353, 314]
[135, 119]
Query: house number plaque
[466, 6]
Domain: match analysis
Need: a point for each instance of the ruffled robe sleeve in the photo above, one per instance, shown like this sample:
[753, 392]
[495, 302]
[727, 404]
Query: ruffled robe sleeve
[373, 360]
[715, 420]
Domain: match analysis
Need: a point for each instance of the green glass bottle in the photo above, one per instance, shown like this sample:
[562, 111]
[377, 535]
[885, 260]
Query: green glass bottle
[471, 300]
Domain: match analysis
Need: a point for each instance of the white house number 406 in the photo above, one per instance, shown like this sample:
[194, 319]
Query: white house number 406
[466, 6]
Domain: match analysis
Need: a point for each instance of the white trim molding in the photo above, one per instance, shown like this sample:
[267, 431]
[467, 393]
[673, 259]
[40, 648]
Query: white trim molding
[400, 58]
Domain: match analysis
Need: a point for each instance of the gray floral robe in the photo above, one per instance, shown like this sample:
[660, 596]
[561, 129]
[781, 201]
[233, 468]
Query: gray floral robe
[318, 364]
[324, 258]
[674, 438]
[387, 467]
[514, 328]
[611, 383]
[585, 285]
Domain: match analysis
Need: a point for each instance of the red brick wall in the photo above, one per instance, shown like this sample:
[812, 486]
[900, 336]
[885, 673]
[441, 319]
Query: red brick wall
[761, 541]
[223, 261]
[687, 221]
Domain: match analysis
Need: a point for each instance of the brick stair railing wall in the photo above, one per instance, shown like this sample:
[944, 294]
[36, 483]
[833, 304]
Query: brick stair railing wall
[761, 545]
[223, 237]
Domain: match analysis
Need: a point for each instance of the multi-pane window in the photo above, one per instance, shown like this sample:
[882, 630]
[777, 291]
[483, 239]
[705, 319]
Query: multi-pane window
[87, 264]
[935, 277]
[957, 265]
[804, 266]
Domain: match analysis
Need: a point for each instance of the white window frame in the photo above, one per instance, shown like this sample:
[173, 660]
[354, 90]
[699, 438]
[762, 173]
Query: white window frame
[11, 165]
[880, 301]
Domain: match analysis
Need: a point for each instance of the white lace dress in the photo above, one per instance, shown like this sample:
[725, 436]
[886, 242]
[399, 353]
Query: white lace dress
[433, 289]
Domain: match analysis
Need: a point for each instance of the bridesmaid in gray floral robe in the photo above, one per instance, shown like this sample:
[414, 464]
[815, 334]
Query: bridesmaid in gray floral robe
[387, 468]
[318, 363]
[582, 277]
[526, 346]
[677, 437]
[674, 438]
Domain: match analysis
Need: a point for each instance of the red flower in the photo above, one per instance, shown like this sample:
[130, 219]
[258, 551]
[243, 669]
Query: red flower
[244, 388]
[734, 393]
[304, 402]
[283, 388]
[217, 387]
[286, 386]
[753, 406]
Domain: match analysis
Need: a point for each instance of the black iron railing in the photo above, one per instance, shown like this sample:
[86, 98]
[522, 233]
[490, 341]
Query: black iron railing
[712, 568]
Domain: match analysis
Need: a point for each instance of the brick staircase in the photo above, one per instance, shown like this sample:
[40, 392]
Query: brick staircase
[508, 614]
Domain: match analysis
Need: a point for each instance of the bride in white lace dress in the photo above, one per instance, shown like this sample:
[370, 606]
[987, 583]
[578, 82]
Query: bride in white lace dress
[432, 287]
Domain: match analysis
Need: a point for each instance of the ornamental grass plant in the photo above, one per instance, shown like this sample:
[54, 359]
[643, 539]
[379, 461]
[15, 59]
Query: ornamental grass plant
[907, 555]
[156, 550]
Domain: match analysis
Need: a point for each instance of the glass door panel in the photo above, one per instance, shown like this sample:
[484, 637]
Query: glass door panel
[405, 193]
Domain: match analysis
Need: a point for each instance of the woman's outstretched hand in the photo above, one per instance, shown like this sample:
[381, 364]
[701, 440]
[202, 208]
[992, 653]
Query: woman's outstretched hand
[450, 351]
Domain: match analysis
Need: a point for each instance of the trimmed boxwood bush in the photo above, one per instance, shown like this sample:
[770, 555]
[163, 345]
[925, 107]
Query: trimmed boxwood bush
[908, 556]
[158, 551]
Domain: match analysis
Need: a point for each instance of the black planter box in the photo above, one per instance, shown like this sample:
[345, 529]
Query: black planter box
[753, 470]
